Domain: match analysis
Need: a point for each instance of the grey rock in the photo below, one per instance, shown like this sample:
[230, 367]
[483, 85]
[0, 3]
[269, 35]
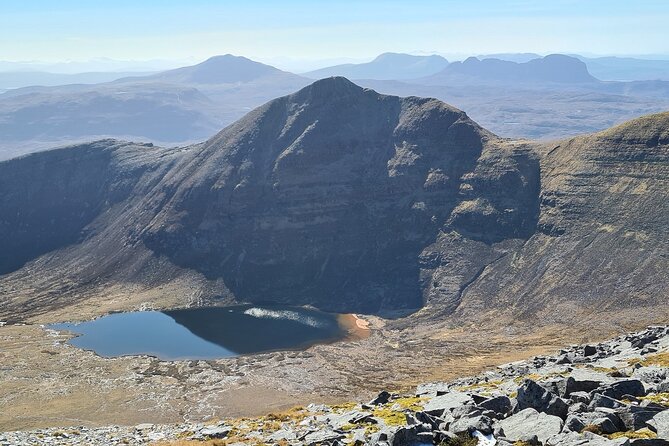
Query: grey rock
[529, 420]
[573, 423]
[215, 432]
[321, 436]
[580, 397]
[448, 401]
[619, 389]
[501, 405]
[532, 395]
[636, 417]
[479, 423]
[381, 398]
[660, 424]
[599, 400]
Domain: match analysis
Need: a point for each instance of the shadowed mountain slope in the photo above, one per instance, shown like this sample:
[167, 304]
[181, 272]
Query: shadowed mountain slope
[348, 200]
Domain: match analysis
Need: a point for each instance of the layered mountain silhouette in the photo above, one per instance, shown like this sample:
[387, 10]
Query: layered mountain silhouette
[545, 98]
[226, 69]
[386, 66]
[554, 68]
[173, 107]
[348, 200]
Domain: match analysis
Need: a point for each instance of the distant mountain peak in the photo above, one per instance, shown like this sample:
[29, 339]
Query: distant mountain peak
[226, 68]
[386, 66]
[556, 68]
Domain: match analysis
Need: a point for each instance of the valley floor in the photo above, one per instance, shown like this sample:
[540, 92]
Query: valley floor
[45, 382]
[614, 393]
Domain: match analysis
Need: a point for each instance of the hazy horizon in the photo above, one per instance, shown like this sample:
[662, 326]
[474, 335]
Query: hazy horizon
[299, 35]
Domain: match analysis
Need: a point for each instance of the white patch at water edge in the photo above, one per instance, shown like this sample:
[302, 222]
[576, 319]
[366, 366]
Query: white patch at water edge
[484, 440]
[264, 313]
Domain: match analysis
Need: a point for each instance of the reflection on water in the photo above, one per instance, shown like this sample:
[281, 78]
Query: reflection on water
[205, 333]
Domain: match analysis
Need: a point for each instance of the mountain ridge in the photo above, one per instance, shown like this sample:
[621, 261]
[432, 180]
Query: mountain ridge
[385, 66]
[298, 201]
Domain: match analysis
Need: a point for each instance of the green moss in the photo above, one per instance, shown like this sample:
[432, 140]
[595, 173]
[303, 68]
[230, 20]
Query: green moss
[482, 387]
[658, 398]
[412, 403]
[390, 417]
[644, 433]
[659, 359]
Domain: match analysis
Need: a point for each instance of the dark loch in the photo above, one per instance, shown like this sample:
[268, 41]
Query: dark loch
[205, 333]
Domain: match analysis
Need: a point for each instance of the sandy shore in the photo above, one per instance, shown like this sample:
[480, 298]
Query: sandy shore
[357, 327]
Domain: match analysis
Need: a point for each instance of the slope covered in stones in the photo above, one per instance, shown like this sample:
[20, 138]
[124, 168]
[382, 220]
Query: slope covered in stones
[615, 393]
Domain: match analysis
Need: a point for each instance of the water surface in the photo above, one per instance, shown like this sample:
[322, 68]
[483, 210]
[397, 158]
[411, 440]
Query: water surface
[205, 333]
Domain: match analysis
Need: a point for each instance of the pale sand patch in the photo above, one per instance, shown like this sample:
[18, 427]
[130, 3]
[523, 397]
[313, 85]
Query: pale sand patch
[356, 327]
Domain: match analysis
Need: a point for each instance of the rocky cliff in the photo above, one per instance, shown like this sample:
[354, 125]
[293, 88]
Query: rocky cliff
[348, 200]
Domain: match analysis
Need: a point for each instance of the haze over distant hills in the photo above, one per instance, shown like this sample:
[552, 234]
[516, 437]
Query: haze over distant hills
[385, 67]
[175, 106]
[550, 97]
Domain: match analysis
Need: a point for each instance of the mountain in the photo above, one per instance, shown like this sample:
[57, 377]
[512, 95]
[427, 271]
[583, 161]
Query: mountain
[627, 68]
[386, 66]
[19, 79]
[511, 57]
[348, 200]
[554, 68]
[226, 69]
[173, 107]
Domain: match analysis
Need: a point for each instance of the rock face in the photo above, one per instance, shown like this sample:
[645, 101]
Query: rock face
[348, 200]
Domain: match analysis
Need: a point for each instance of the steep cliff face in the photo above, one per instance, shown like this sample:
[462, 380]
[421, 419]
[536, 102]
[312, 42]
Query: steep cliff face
[602, 241]
[49, 199]
[328, 196]
[348, 200]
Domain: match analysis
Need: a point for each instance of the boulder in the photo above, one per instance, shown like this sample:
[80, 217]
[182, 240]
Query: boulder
[580, 397]
[479, 423]
[573, 423]
[409, 435]
[660, 424]
[215, 432]
[321, 436]
[501, 405]
[617, 390]
[599, 400]
[381, 398]
[635, 417]
[527, 421]
[581, 380]
[532, 395]
[439, 404]
[589, 350]
[424, 418]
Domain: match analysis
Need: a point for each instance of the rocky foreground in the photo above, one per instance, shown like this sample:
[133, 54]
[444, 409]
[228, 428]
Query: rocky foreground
[612, 393]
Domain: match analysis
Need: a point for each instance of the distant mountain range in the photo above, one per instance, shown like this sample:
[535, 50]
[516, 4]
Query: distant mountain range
[555, 68]
[352, 201]
[549, 97]
[386, 66]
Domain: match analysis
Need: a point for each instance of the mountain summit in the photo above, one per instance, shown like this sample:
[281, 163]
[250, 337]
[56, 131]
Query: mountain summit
[342, 198]
[219, 70]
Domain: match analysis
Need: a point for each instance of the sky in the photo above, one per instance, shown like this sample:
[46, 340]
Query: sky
[313, 30]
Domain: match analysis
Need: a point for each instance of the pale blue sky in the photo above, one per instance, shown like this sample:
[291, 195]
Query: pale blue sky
[54, 30]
